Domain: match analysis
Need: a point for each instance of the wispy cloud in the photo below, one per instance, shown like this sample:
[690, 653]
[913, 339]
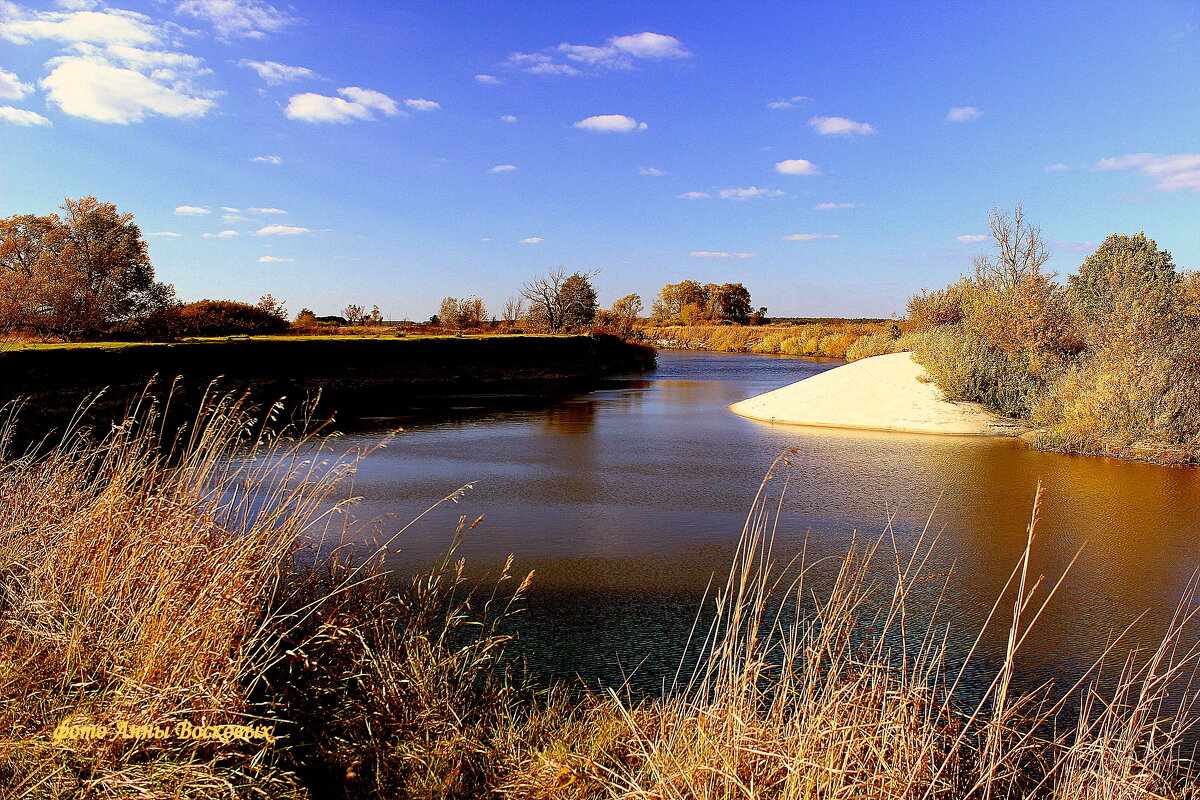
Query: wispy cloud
[619, 52]
[963, 114]
[710, 254]
[796, 166]
[256, 210]
[507, 118]
[694, 196]
[532, 240]
[611, 123]
[1056, 168]
[831, 206]
[1171, 173]
[275, 73]
[503, 168]
[273, 259]
[11, 87]
[840, 126]
[972, 238]
[280, 230]
[355, 104]
[808, 237]
[734, 193]
[250, 19]
[168, 234]
[19, 116]
[658, 173]
[788, 102]
[221, 235]
[276, 160]
[488, 79]
[421, 104]
[191, 211]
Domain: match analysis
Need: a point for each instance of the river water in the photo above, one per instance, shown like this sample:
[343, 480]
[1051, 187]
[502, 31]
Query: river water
[626, 501]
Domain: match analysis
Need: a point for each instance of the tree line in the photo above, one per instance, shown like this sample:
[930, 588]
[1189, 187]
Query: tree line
[86, 273]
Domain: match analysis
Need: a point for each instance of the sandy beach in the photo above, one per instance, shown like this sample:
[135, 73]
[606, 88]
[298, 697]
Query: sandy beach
[879, 393]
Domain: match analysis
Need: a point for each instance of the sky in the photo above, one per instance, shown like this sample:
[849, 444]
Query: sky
[834, 157]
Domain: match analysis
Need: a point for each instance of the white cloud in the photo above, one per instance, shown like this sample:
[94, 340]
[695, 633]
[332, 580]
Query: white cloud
[651, 171]
[963, 114]
[787, 102]
[619, 52]
[169, 234]
[808, 237]
[231, 18]
[508, 118]
[973, 238]
[831, 206]
[709, 254]
[1172, 173]
[748, 193]
[280, 230]
[11, 87]
[1056, 168]
[276, 160]
[694, 195]
[421, 104]
[231, 209]
[273, 259]
[532, 240]
[487, 79]
[92, 88]
[840, 126]
[19, 116]
[254, 210]
[797, 166]
[275, 73]
[503, 168]
[191, 211]
[611, 123]
[110, 26]
[221, 235]
[234, 218]
[310, 107]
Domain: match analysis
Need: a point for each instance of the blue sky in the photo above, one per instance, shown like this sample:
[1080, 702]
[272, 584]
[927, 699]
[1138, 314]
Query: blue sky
[834, 157]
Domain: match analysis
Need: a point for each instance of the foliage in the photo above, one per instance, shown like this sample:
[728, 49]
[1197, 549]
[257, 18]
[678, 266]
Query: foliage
[1105, 364]
[77, 275]
[560, 302]
[355, 314]
[690, 303]
[469, 313]
[209, 318]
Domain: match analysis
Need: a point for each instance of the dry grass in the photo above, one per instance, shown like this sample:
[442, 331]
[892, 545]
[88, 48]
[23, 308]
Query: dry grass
[828, 340]
[154, 580]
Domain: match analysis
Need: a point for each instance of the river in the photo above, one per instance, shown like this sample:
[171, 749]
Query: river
[627, 499]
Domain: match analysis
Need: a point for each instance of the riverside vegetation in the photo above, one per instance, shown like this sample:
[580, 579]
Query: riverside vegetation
[1107, 363]
[154, 578]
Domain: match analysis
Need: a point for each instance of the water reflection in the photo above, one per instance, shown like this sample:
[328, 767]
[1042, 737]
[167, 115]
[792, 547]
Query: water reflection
[626, 500]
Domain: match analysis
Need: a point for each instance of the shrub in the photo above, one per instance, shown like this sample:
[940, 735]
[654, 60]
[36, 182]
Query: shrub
[209, 318]
[873, 344]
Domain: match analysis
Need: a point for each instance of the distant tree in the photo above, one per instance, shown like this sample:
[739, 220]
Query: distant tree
[464, 314]
[628, 308]
[208, 318]
[78, 274]
[674, 297]
[759, 317]
[558, 301]
[307, 318]
[355, 314]
[731, 301]
[514, 309]
[376, 317]
[272, 306]
[578, 298]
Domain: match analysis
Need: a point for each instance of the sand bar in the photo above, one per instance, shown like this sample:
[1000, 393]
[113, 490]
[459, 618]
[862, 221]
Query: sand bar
[878, 393]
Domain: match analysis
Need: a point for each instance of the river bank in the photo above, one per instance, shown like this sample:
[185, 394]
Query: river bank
[348, 372]
[816, 340]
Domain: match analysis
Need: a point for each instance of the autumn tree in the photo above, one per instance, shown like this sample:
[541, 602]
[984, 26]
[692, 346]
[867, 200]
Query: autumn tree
[514, 310]
[689, 303]
[628, 308]
[270, 305]
[558, 301]
[355, 314]
[469, 312]
[78, 274]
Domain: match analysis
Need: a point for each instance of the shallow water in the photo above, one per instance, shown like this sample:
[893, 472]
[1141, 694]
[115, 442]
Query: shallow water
[628, 499]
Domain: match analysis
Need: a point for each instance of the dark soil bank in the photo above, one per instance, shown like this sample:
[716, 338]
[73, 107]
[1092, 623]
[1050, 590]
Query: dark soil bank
[357, 376]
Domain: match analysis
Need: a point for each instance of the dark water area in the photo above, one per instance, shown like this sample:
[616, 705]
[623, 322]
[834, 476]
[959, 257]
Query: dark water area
[627, 500]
